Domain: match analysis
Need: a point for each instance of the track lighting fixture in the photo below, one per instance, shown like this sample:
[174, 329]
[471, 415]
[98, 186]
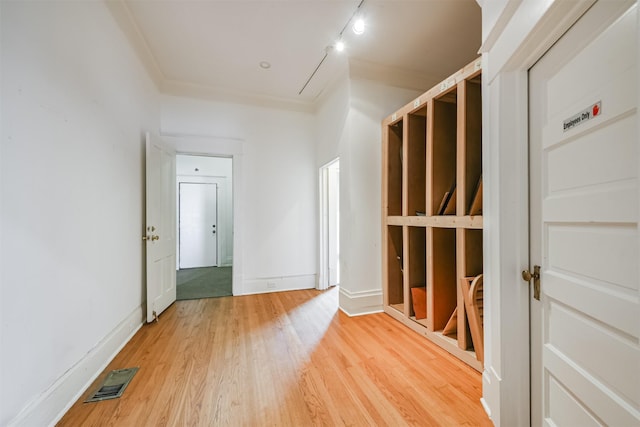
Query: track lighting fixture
[358, 28]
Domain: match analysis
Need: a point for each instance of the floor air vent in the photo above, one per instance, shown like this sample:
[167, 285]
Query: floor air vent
[113, 386]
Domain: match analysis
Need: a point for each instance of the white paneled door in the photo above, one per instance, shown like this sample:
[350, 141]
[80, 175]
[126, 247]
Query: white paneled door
[160, 229]
[584, 164]
[333, 231]
[198, 225]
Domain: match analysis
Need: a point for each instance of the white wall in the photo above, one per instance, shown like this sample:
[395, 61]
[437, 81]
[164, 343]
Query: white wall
[331, 120]
[75, 103]
[278, 194]
[214, 170]
[349, 126]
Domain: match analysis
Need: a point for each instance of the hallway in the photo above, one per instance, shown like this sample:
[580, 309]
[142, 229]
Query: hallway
[286, 359]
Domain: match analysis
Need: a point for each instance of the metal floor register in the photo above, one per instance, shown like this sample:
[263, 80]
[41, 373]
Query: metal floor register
[113, 385]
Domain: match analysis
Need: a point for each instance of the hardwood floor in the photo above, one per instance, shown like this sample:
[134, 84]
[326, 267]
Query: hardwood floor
[284, 359]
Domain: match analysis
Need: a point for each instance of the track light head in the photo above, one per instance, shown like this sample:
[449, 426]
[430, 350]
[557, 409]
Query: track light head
[358, 26]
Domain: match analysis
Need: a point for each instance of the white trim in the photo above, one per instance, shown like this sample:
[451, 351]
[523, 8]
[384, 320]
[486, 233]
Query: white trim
[264, 285]
[499, 25]
[506, 321]
[221, 147]
[361, 302]
[534, 27]
[50, 406]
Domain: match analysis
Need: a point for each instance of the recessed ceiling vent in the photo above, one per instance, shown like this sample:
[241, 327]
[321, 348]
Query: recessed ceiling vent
[113, 386]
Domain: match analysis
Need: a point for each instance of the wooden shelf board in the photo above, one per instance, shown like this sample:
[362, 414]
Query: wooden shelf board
[422, 322]
[447, 343]
[442, 221]
[453, 221]
[415, 221]
[448, 338]
[474, 222]
[451, 345]
[396, 220]
[397, 307]
[398, 315]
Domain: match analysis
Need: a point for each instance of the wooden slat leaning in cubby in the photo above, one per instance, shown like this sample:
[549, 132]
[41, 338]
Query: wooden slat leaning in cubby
[432, 209]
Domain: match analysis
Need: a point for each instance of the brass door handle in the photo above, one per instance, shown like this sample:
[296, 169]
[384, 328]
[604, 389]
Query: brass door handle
[144, 238]
[527, 276]
[155, 238]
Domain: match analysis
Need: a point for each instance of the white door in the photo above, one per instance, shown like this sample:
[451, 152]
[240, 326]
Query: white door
[584, 223]
[161, 227]
[334, 224]
[198, 225]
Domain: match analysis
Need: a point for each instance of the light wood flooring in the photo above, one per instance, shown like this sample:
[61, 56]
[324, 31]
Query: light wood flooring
[284, 359]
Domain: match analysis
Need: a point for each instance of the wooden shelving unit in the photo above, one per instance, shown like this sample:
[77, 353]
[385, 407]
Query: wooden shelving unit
[432, 210]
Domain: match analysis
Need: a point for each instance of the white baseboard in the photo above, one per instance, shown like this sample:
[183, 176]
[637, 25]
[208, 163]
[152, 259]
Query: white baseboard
[265, 285]
[491, 393]
[48, 408]
[361, 302]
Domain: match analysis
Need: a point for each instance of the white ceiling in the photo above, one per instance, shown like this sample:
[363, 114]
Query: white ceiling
[214, 47]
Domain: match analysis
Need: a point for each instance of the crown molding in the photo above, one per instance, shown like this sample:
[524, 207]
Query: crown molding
[190, 90]
[357, 69]
[123, 17]
[397, 77]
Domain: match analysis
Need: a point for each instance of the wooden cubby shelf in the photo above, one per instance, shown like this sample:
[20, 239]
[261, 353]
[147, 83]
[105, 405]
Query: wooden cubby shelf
[432, 211]
[395, 269]
[393, 160]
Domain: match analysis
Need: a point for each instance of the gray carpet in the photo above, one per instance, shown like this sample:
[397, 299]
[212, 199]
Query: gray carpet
[207, 282]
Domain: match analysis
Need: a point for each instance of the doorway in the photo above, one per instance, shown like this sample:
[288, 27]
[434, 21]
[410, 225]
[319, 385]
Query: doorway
[329, 225]
[204, 226]
[584, 223]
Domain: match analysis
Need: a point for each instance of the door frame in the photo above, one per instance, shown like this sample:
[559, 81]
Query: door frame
[521, 34]
[230, 148]
[323, 225]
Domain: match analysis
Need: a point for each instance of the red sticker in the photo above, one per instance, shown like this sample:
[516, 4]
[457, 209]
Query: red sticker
[596, 110]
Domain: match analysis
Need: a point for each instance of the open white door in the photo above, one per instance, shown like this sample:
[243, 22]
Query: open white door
[329, 260]
[161, 227]
[334, 223]
[584, 165]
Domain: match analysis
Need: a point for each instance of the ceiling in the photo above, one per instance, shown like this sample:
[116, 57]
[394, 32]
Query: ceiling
[213, 48]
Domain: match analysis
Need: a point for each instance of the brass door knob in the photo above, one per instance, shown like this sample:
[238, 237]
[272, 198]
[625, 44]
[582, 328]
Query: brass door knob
[527, 276]
[155, 238]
